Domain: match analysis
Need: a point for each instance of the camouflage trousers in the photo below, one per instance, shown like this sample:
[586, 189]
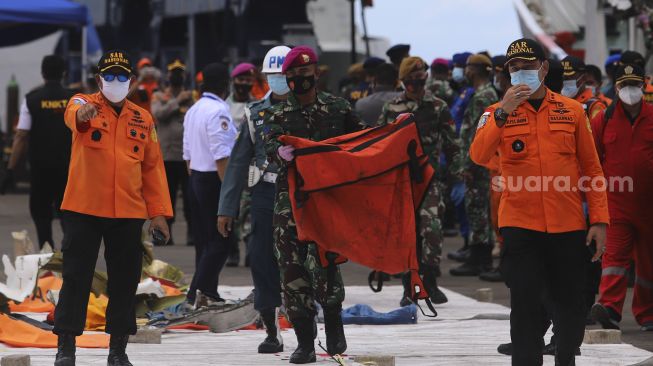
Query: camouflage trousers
[477, 205]
[429, 225]
[303, 279]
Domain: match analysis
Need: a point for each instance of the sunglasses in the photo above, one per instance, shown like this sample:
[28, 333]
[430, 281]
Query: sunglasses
[111, 77]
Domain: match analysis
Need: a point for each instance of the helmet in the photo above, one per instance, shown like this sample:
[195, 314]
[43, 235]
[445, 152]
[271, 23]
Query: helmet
[274, 59]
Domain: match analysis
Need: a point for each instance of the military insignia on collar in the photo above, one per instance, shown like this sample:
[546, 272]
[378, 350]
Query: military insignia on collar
[483, 120]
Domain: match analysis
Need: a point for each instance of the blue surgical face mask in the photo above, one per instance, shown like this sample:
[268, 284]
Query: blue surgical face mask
[530, 78]
[569, 88]
[278, 84]
[458, 74]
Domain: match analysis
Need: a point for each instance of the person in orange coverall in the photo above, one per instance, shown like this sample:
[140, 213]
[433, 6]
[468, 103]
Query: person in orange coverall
[116, 181]
[624, 139]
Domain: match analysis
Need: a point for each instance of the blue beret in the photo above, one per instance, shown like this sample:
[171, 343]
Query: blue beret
[612, 59]
[372, 62]
[461, 58]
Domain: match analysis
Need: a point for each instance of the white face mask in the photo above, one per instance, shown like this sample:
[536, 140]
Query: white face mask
[631, 95]
[569, 88]
[115, 91]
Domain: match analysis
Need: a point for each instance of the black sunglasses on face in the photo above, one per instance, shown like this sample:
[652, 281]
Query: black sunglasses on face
[111, 77]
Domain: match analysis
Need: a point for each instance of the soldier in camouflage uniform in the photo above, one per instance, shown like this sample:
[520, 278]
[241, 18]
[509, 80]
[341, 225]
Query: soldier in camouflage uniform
[317, 116]
[477, 178]
[438, 82]
[438, 133]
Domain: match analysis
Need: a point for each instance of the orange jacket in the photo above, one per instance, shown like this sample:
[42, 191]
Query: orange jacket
[555, 146]
[592, 104]
[116, 169]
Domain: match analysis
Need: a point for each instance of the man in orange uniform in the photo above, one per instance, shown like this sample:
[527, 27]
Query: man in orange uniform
[116, 181]
[574, 86]
[544, 143]
[624, 138]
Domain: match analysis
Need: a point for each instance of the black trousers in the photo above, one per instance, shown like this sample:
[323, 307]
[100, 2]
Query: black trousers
[47, 186]
[535, 265]
[263, 263]
[177, 175]
[210, 247]
[123, 253]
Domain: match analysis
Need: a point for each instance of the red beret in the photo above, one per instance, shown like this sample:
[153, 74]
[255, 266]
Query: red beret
[299, 56]
[242, 68]
[440, 61]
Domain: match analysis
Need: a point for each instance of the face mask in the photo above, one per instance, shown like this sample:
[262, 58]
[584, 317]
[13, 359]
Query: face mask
[569, 88]
[243, 89]
[530, 78]
[631, 95]
[497, 84]
[278, 84]
[458, 74]
[176, 79]
[300, 84]
[414, 85]
[115, 91]
[592, 89]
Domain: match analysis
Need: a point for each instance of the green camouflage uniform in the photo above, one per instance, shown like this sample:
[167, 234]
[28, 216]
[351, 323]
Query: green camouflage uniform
[477, 178]
[441, 89]
[303, 279]
[438, 134]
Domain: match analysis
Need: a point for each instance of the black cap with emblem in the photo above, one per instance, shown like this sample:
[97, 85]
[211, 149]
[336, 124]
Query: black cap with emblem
[572, 66]
[629, 72]
[117, 59]
[525, 49]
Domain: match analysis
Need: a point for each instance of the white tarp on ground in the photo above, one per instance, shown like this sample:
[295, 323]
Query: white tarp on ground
[451, 339]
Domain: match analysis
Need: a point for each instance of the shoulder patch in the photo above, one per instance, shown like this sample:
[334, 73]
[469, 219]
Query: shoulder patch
[79, 101]
[224, 123]
[483, 120]
[153, 135]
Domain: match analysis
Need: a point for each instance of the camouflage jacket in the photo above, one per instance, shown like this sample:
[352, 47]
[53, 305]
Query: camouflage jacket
[328, 117]
[482, 98]
[435, 126]
[441, 89]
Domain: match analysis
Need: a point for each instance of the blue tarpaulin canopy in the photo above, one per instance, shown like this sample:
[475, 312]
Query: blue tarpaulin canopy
[25, 20]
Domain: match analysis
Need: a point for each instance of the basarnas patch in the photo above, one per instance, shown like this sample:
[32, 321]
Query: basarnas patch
[483, 120]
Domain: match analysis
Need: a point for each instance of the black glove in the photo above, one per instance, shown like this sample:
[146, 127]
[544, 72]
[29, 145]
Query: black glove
[8, 182]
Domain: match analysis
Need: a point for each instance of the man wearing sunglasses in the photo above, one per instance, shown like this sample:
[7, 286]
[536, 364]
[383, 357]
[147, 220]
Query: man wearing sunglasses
[116, 181]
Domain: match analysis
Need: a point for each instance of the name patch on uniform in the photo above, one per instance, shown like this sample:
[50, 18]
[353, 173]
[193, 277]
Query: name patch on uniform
[517, 121]
[561, 119]
[483, 120]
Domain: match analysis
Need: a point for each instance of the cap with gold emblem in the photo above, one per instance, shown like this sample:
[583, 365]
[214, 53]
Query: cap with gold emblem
[525, 49]
[410, 64]
[299, 56]
[629, 72]
[572, 66]
[176, 65]
[117, 59]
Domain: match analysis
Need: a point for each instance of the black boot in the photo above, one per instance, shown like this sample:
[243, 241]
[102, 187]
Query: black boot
[273, 343]
[461, 254]
[305, 331]
[493, 275]
[65, 350]
[335, 333]
[479, 260]
[117, 347]
[431, 285]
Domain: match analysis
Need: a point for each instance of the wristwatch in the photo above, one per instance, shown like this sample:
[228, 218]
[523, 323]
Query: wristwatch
[500, 115]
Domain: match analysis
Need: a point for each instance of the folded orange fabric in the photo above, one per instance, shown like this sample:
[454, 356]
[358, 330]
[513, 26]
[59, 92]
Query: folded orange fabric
[38, 304]
[16, 333]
